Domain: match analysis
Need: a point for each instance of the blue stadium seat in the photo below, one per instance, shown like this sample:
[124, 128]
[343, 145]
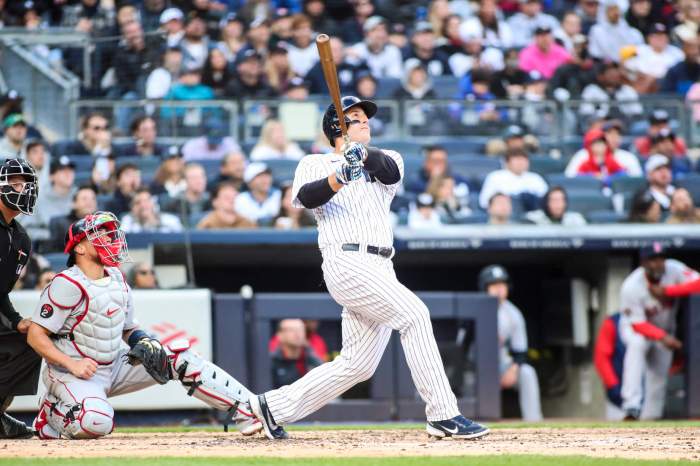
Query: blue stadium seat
[545, 165]
[211, 167]
[82, 164]
[386, 87]
[473, 167]
[247, 147]
[691, 182]
[103, 200]
[464, 146]
[57, 260]
[578, 183]
[411, 166]
[586, 202]
[282, 170]
[405, 148]
[477, 217]
[446, 87]
[196, 217]
[605, 216]
[628, 184]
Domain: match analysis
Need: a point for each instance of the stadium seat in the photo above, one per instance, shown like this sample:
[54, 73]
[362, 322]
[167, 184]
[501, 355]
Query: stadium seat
[691, 182]
[628, 184]
[386, 87]
[477, 217]
[585, 202]
[247, 147]
[446, 87]
[411, 166]
[545, 165]
[282, 170]
[473, 167]
[57, 260]
[103, 201]
[196, 217]
[82, 164]
[405, 148]
[605, 216]
[211, 167]
[578, 183]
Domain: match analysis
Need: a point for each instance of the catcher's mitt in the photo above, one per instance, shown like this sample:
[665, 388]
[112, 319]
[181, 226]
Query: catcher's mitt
[149, 352]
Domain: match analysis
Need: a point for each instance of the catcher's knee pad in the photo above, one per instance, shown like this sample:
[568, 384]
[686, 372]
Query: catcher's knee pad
[205, 380]
[93, 418]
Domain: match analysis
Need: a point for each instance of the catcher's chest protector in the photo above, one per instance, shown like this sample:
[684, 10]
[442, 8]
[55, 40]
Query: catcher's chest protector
[97, 321]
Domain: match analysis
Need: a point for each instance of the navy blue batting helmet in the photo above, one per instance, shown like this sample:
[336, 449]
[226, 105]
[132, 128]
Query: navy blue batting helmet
[331, 124]
[492, 274]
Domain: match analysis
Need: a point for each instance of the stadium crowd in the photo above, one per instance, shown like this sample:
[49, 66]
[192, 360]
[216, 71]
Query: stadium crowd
[630, 164]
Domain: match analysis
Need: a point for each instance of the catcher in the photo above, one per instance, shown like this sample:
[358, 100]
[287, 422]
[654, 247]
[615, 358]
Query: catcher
[79, 326]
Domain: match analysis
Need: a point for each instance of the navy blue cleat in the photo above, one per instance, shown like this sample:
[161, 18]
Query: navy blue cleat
[457, 427]
[258, 405]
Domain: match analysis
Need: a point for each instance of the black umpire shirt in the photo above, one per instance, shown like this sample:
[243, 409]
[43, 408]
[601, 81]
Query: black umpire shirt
[15, 248]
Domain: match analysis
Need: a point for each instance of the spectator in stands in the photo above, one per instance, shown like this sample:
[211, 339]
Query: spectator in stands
[194, 199]
[84, 203]
[611, 33]
[44, 278]
[161, 79]
[144, 134]
[516, 137]
[273, 144]
[664, 143]
[258, 36]
[659, 120]
[261, 203]
[382, 58]
[352, 29]
[12, 142]
[12, 102]
[251, 82]
[514, 179]
[598, 160]
[683, 208]
[195, 43]
[543, 54]
[555, 211]
[607, 89]
[660, 179]
[423, 50]
[315, 10]
[213, 145]
[231, 171]
[172, 25]
[688, 15]
[657, 56]
[422, 214]
[170, 177]
[224, 215]
[297, 89]
[684, 74]
[587, 10]
[293, 358]
[416, 84]
[142, 277]
[232, 36]
[639, 16]
[451, 199]
[570, 30]
[103, 176]
[303, 54]
[469, 51]
[145, 216]
[290, 217]
[644, 208]
[57, 200]
[278, 70]
[134, 59]
[216, 73]
[509, 83]
[525, 23]
[188, 87]
[571, 78]
[87, 16]
[36, 154]
[500, 209]
[95, 138]
[435, 165]
[128, 183]
[475, 86]
[487, 25]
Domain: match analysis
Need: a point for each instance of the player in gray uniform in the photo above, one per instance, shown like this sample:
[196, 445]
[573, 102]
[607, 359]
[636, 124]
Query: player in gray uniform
[512, 344]
[81, 322]
[350, 191]
[647, 328]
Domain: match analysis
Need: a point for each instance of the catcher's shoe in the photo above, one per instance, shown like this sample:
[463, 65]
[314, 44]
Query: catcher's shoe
[457, 427]
[631, 414]
[258, 405]
[11, 428]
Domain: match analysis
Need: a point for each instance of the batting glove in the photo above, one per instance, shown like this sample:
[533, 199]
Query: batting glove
[355, 153]
[345, 173]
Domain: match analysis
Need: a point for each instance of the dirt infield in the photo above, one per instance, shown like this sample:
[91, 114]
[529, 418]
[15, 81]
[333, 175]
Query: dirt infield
[653, 443]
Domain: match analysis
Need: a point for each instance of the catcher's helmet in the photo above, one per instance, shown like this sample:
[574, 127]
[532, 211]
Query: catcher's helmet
[492, 274]
[331, 124]
[24, 199]
[103, 231]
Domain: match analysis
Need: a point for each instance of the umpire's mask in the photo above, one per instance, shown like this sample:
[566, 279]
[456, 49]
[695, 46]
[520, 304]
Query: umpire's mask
[17, 194]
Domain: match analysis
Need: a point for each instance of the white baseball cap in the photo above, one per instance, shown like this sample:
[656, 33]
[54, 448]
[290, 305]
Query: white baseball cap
[656, 161]
[253, 170]
[170, 14]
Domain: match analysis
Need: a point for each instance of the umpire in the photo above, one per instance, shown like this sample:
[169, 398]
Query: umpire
[19, 364]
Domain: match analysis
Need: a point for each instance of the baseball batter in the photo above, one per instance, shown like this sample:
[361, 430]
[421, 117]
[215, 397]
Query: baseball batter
[350, 191]
[646, 327]
[80, 324]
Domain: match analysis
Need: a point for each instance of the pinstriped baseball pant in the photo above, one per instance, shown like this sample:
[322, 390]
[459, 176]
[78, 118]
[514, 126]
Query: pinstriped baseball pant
[374, 303]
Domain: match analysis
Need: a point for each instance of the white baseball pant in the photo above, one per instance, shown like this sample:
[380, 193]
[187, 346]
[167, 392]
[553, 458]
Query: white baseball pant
[374, 303]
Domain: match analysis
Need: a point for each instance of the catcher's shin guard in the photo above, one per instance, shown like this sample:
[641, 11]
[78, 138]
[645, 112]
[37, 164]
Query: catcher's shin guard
[208, 382]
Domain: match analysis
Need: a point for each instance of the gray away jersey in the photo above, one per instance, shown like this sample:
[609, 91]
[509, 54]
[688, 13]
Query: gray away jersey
[359, 212]
[512, 333]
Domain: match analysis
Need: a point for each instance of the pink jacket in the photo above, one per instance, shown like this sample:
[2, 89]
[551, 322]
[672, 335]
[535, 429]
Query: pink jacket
[533, 59]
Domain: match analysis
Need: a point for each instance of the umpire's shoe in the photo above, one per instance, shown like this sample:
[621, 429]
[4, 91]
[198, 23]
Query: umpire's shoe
[457, 427]
[11, 428]
[258, 405]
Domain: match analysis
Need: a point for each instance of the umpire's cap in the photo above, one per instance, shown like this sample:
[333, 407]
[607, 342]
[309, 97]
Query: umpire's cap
[492, 274]
[655, 249]
[331, 124]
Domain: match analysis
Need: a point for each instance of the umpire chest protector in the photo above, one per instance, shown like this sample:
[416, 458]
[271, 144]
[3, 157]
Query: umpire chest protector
[97, 313]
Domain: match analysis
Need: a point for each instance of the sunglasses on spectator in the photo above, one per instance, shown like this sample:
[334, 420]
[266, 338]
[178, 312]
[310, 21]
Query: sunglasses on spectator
[99, 128]
[145, 272]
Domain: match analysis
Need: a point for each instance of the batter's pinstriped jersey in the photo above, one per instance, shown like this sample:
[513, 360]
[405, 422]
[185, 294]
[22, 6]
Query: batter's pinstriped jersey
[358, 213]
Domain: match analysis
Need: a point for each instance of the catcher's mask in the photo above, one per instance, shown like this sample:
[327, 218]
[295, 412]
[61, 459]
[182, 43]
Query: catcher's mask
[103, 232]
[22, 195]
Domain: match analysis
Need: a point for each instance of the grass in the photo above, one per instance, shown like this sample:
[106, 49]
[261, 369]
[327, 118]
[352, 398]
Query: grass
[534, 460]
[417, 426]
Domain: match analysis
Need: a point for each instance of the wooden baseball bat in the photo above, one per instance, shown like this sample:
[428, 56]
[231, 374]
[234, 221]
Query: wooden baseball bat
[323, 43]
